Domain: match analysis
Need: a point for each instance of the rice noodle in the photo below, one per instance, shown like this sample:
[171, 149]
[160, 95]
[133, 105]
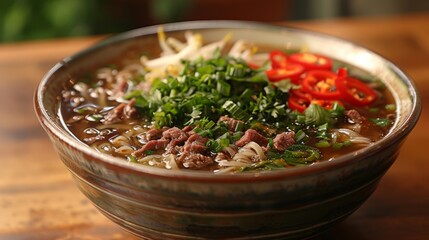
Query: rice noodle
[225, 170]
[170, 162]
[150, 157]
[250, 152]
[120, 140]
[124, 150]
[104, 147]
[231, 150]
[234, 163]
[353, 136]
[247, 155]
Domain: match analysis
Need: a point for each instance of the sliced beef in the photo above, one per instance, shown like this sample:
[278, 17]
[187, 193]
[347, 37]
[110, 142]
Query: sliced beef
[187, 129]
[252, 135]
[155, 133]
[129, 110]
[115, 115]
[231, 123]
[284, 140]
[121, 112]
[196, 161]
[354, 116]
[193, 153]
[176, 137]
[195, 144]
[175, 134]
[120, 88]
[151, 145]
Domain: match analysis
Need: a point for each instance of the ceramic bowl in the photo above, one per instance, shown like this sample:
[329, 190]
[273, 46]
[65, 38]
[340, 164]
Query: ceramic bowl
[293, 203]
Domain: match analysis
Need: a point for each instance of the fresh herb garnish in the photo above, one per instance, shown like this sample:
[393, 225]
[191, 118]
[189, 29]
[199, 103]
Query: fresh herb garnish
[212, 88]
[382, 122]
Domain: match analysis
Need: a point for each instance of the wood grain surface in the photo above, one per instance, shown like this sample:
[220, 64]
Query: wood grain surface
[38, 199]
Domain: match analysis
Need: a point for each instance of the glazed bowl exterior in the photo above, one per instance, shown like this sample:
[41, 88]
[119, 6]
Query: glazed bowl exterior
[293, 203]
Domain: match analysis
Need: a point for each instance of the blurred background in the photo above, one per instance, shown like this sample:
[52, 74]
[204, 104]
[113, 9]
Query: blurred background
[23, 20]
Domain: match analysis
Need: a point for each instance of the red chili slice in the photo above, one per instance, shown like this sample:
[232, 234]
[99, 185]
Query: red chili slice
[298, 100]
[353, 90]
[290, 71]
[321, 85]
[327, 104]
[253, 66]
[311, 61]
[278, 59]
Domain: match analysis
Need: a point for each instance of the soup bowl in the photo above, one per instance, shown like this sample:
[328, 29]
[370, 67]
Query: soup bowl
[293, 203]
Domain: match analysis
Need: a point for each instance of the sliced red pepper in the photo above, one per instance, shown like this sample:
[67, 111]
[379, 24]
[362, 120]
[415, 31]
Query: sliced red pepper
[327, 104]
[311, 61]
[278, 59]
[298, 100]
[321, 85]
[300, 93]
[253, 66]
[353, 90]
[290, 71]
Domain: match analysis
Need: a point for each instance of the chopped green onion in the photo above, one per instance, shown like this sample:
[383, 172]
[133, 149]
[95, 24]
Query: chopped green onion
[236, 136]
[235, 111]
[223, 88]
[236, 70]
[284, 85]
[301, 154]
[322, 131]
[94, 117]
[132, 94]
[239, 127]
[206, 69]
[131, 158]
[338, 145]
[323, 144]
[270, 143]
[297, 155]
[162, 119]
[84, 109]
[149, 152]
[337, 110]
[213, 145]
[300, 136]
[316, 115]
[266, 165]
[382, 122]
[374, 110]
[390, 107]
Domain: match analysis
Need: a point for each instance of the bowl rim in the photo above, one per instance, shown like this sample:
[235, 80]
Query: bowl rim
[395, 136]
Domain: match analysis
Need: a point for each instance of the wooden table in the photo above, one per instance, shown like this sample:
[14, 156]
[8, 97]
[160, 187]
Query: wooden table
[38, 199]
